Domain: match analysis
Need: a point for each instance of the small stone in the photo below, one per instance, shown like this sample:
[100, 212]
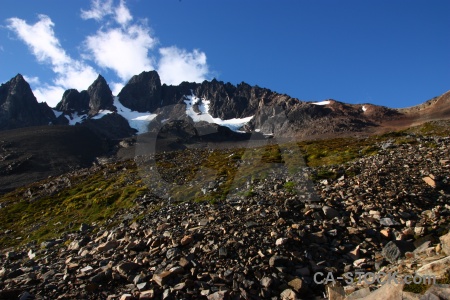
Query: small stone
[335, 291]
[419, 230]
[385, 233]
[266, 282]
[430, 181]
[437, 268]
[203, 222]
[445, 243]
[278, 261]
[126, 297]
[281, 241]
[297, 284]
[438, 291]
[221, 295]
[172, 253]
[390, 291]
[288, 294]
[388, 222]
[184, 262]
[127, 268]
[31, 255]
[162, 278]
[391, 252]
[223, 252]
[330, 213]
[186, 240]
[444, 162]
[359, 294]
[142, 285]
[108, 246]
[146, 295]
[86, 269]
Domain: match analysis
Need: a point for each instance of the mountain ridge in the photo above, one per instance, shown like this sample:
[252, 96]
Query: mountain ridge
[273, 114]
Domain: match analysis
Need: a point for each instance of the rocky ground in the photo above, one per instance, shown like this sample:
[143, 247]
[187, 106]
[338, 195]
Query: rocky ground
[387, 212]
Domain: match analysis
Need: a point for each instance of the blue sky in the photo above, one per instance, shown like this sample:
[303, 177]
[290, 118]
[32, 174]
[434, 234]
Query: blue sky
[393, 53]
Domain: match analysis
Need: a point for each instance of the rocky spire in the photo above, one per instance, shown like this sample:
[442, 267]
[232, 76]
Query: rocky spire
[100, 96]
[142, 93]
[18, 105]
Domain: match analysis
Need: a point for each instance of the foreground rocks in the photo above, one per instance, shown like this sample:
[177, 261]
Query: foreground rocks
[378, 215]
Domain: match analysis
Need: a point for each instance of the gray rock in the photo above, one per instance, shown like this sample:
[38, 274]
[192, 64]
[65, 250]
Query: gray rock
[330, 213]
[278, 261]
[172, 253]
[391, 252]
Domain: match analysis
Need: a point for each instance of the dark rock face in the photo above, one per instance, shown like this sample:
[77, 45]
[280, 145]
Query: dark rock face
[228, 101]
[112, 127]
[19, 108]
[74, 101]
[97, 97]
[142, 93]
[100, 96]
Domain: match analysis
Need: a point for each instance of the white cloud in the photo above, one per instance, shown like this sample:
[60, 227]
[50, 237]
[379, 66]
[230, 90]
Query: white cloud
[116, 87]
[124, 50]
[123, 15]
[98, 10]
[46, 47]
[178, 65]
[32, 80]
[41, 39]
[51, 94]
[121, 44]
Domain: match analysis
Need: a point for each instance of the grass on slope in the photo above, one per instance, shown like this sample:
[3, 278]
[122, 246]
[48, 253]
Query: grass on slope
[94, 198]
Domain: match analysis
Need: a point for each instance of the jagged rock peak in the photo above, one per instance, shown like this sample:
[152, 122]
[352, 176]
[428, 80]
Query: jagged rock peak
[74, 101]
[143, 92]
[100, 96]
[97, 97]
[19, 107]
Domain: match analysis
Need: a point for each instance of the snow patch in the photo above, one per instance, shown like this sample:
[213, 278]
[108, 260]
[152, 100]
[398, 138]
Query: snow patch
[204, 115]
[57, 112]
[75, 118]
[137, 120]
[364, 108]
[101, 114]
[321, 102]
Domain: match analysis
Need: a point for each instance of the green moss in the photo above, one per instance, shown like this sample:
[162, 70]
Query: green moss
[290, 187]
[89, 199]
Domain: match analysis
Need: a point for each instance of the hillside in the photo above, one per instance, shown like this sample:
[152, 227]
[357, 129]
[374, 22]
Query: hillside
[239, 223]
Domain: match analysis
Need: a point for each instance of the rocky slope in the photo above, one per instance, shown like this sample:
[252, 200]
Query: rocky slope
[384, 212]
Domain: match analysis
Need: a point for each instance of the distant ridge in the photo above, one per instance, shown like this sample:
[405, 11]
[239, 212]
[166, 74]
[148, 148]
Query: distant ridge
[266, 112]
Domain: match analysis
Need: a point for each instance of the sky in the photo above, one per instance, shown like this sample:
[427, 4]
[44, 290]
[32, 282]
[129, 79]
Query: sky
[392, 53]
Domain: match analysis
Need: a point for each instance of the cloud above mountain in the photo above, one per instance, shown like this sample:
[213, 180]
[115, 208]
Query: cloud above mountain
[121, 44]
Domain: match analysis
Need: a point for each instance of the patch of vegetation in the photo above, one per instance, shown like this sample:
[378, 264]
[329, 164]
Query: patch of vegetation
[336, 151]
[435, 128]
[423, 287]
[250, 193]
[323, 174]
[290, 187]
[94, 198]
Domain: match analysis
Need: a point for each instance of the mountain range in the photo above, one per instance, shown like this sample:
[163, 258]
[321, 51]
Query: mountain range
[145, 101]
[37, 141]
